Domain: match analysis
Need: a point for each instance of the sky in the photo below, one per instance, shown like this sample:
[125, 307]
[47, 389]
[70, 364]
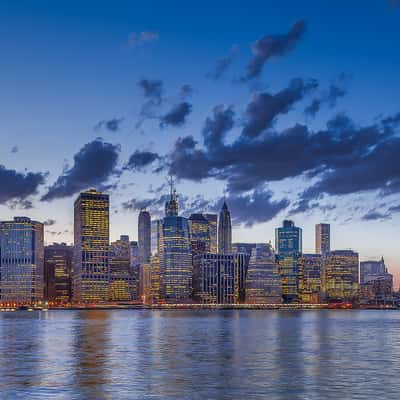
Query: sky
[288, 109]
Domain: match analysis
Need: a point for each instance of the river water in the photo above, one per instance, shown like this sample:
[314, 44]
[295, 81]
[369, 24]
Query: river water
[200, 354]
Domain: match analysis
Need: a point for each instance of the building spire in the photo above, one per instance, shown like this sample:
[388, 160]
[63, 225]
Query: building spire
[171, 205]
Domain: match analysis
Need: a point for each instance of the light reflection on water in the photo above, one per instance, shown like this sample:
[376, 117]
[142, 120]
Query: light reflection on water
[137, 354]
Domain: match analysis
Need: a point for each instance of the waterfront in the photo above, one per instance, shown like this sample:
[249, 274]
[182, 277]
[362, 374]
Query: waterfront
[200, 354]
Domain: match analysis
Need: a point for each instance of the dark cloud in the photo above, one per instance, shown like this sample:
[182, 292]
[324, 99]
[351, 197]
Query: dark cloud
[216, 127]
[272, 46]
[17, 186]
[49, 222]
[22, 204]
[223, 63]
[177, 115]
[93, 165]
[136, 39]
[152, 89]
[185, 91]
[265, 107]
[330, 98]
[139, 160]
[14, 149]
[112, 125]
[374, 215]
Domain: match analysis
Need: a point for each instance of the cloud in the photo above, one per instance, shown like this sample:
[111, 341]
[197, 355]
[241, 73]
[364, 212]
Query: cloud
[17, 186]
[152, 89]
[49, 222]
[112, 125]
[136, 39]
[177, 115]
[22, 204]
[217, 126]
[373, 215]
[223, 63]
[93, 165]
[14, 149]
[265, 107]
[330, 98]
[139, 160]
[272, 46]
[185, 91]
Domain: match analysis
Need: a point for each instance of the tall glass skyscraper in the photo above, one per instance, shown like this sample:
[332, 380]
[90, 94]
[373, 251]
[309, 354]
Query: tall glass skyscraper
[144, 236]
[213, 226]
[175, 255]
[224, 231]
[156, 226]
[91, 256]
[22, 261]
[322, 239]
[263, 283]
[288, 244]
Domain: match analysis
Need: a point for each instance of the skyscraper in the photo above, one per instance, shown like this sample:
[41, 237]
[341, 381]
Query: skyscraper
[58, 273]
[213, 226]
[155, 236]
[175, 255]
[341, 276]
[263, 283]
[224, 231]
[310, 278]
[91, 256]
[288, 244]
[22, 261]
[144, 236]
[199, 232]
[322, 239]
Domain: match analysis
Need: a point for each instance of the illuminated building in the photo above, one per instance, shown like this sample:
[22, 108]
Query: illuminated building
[310, 278]
[156, 226]
[175, 255]
[263, 283]
[155, 279]
[145, 292]
[371, 269]
[219, 278]
[122, 282]
[58, 273]
[22, 261]
[378, 290]
[213, 226]
[322, 239]
[91, 257]
[288, 244]
[224, 231]
[199, 233]
[144, 236]
[341, 276]
[134, 267]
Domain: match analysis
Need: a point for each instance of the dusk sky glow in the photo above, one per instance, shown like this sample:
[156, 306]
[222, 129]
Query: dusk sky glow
[290, 109]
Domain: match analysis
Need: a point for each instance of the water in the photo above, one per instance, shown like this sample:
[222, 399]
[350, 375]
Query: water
[238, 354]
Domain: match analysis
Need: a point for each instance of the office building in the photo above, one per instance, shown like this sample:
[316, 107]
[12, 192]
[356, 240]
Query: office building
[310, 278]
[371, 269]
[22, 261]
[246, 248]
[213, 226]
[263, 283]
[156, 226]
[341, 276]
[219, 278]
[199, 233]
[144, 236]
[224, 231]
[58, 273]
[288, 244]
[322, 239]
[91, 243]
[175, 255]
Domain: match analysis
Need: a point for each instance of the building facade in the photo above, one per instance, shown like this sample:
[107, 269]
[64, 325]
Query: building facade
[22, 261]
[322, 239]
[199, 232]
[341, 276]
[288, 244]
[144, 236]
[213, 227]
[58, 273]
[175, 256]
[91, 247]
[263, 283]
[310, 278]
[224, 231]
[219, 278]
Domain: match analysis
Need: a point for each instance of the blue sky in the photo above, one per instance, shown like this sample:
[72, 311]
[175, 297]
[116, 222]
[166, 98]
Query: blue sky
[66, 66]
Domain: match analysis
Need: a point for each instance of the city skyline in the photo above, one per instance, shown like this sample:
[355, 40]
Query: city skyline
[207, 107]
